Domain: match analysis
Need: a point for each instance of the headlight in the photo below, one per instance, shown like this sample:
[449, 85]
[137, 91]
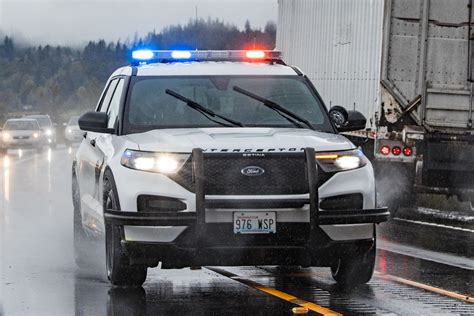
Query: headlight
[342, 160]
[48, 132]
[166, 163]
[69, 130]
[35, 135]
[6, 136]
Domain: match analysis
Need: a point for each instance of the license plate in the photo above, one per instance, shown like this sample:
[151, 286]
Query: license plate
[254, 222]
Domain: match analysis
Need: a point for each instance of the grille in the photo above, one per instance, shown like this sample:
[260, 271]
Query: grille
[284, 174]
[21, 137]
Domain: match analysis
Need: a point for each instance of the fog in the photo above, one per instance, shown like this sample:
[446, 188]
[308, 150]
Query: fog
[62, 22]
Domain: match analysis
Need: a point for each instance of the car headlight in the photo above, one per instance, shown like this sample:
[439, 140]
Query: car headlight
[6, 136]
[166, 163]
[35, 135]
[48, 132]
[341, 161]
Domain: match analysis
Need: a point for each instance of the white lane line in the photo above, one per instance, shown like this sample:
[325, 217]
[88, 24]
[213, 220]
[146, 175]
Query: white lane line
[428, 255]
[435, 225]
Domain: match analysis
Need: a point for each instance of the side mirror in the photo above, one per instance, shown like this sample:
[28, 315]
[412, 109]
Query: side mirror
[346, 121]
[95, 122]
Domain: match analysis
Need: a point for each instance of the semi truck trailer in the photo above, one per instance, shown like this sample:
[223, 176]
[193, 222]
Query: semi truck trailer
[407, 65]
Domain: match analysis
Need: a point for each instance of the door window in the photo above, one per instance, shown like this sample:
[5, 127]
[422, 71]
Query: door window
[115, 104]
[107, 96]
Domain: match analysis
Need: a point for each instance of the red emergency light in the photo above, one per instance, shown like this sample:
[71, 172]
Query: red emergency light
[255, 54]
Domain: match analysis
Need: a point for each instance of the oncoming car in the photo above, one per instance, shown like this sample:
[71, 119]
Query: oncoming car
[72, 132]
[21, 133]
[47, 126]
[222, 158]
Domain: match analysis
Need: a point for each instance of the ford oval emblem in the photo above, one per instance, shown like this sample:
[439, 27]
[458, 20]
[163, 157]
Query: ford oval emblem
[252, 171]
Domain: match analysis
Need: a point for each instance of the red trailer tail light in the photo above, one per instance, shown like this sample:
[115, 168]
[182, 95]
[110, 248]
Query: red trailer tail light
[385, 150]
[407, 151]
[396, 150]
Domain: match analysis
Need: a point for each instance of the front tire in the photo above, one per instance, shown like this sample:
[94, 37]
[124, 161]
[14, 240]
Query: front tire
[119, 270]
[354, 269]
[81, 241]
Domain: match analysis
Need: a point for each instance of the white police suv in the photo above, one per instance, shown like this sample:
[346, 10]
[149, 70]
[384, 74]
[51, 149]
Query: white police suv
[223, 158]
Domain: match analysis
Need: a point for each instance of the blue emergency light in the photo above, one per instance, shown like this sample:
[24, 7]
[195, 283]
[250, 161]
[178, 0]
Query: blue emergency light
[145, 56]
[142, 54]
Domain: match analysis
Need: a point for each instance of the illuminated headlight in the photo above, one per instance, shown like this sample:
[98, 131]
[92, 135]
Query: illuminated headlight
[48, 132]
[35, 135]
[69, 131]
[166, 163]
[340, 161]
[6, 136]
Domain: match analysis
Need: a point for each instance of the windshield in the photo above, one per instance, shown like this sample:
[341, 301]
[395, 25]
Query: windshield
[21, 125]
[150, 107]
[43, 121]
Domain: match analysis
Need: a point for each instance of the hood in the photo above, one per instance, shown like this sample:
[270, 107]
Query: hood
[238, 140]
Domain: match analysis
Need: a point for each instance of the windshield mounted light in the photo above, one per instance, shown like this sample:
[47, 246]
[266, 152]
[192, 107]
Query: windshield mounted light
[166, 163]
[341, 161]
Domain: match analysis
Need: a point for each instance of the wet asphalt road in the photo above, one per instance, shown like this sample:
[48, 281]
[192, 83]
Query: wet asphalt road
[39, 277]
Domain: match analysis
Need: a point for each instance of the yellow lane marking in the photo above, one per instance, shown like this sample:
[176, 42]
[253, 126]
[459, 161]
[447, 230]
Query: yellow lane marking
[281, 295]
[426, 287]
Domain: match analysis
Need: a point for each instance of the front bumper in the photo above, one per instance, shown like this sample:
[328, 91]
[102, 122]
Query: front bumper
[203, 243]
[30, 143]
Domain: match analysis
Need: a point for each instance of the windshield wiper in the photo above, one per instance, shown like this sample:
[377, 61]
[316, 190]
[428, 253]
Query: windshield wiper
[201, 109]
[290, 116]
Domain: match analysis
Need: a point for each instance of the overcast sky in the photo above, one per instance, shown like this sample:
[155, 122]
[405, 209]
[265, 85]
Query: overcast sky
[74, 22]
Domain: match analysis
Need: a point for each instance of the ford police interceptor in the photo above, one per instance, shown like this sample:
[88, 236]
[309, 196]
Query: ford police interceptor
[196, 158]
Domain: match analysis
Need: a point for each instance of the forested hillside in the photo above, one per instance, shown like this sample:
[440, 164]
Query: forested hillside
[64, 81]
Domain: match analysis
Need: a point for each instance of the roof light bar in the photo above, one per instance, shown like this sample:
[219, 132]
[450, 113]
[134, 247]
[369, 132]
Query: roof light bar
[148, 56]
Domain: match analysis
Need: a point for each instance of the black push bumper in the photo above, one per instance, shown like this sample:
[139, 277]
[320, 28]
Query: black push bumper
[195, 248]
